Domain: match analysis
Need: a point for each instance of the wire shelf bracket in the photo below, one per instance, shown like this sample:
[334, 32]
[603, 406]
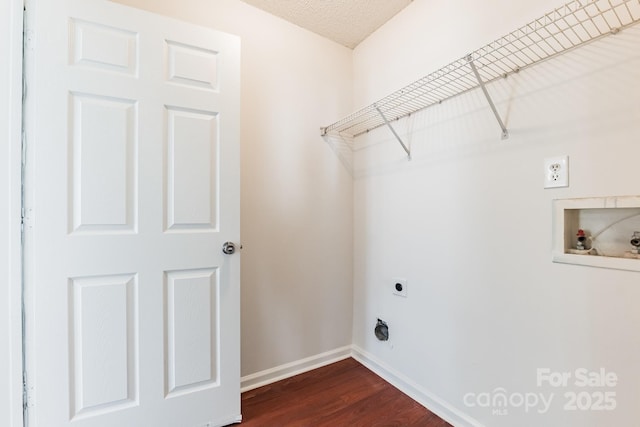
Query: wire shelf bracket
[393, 131]
[574, 24]
[505, 132]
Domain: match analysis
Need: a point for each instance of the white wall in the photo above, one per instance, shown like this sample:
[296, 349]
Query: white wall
[296, 198]
[10, 332]
[468, 223]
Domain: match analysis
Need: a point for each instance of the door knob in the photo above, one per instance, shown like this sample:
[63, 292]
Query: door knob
[229, 248]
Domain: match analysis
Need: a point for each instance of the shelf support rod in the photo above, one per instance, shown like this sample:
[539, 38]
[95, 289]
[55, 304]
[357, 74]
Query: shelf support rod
[505, 132]
[386, 122]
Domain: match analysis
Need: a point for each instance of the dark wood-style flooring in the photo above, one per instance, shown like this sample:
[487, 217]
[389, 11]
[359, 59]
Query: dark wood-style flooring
[341, 394]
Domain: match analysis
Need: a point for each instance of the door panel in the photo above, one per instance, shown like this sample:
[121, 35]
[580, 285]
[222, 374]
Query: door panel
[191, 328]
[192, 66]
[192, 170]
[103, 47]
[104, 146]
[104, 352]
[132, 189]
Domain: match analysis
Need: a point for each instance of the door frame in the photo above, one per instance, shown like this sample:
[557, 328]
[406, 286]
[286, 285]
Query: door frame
[11, 355]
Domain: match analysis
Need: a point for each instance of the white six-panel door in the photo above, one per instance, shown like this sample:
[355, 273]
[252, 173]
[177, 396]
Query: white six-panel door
[132, 188]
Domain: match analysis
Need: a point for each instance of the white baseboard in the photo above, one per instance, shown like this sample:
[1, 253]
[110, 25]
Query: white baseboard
[234, 420]
[433, 403]
[287, 370]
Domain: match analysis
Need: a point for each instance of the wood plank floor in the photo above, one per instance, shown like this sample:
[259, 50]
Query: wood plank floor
[341, 394]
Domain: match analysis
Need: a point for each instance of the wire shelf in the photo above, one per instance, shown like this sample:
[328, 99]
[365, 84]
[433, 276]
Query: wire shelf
[565, 28]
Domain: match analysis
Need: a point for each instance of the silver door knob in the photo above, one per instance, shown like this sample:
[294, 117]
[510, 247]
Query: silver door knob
[229, 248]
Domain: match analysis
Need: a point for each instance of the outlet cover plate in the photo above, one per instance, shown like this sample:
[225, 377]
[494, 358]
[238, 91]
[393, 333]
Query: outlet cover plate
[556, 172]
[399, 286]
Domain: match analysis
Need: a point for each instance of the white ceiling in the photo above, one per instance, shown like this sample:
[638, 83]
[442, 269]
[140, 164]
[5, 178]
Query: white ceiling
[347, 22]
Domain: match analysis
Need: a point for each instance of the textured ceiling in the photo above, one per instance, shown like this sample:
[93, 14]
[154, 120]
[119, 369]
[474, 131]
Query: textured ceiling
[347, 22]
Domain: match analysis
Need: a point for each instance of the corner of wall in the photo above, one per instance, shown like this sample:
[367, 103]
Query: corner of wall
[417, 392]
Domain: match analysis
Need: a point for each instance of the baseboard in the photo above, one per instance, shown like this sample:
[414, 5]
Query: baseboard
[287, 370]
[433, 403]
[233, 420]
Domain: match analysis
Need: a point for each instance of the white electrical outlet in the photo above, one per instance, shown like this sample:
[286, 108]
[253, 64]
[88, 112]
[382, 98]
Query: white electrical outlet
[399, 286]
[556, 172]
